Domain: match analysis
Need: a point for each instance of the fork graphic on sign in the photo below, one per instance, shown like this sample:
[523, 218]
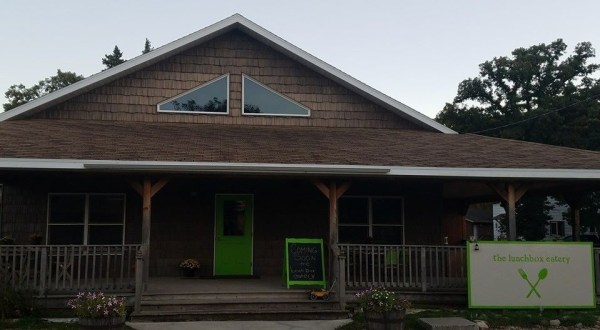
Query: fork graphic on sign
[542, 274]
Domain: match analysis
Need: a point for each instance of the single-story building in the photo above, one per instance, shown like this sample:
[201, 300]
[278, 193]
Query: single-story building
[222, 144]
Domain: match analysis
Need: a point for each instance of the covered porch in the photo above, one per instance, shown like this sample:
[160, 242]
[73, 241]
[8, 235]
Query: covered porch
[168, 217]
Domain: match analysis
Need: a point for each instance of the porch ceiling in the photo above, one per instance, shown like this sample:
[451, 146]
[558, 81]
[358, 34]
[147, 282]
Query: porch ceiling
[381, 151]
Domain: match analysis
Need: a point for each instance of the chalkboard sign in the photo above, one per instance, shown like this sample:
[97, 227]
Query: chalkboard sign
[304, 264]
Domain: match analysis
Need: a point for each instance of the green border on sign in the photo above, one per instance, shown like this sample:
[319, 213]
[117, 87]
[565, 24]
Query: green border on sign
[590, 244]
[287, 262]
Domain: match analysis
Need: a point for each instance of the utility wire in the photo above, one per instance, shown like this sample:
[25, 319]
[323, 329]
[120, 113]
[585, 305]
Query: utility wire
[537, 116]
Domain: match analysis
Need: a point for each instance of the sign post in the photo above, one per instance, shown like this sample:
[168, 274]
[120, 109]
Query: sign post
[304, 263]
[531, 275]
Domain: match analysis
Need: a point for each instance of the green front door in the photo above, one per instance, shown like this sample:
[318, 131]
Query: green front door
[233, 234]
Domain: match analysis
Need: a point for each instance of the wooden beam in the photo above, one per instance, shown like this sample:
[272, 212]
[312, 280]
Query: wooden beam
[341, 190]
[499, 189]
[511, 194]
[576, 223]
[511, 213]
[146, 214]
[322, 187]
[333, 233]
[137, 187]
[158, 186]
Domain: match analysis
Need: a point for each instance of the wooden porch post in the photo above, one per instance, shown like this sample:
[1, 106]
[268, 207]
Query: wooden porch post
[147, 191]
[333, 193]
[511, 195]
[512, 215]
[576, 223]
[575, 200]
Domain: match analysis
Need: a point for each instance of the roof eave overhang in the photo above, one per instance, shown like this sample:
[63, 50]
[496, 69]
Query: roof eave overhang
[119, 166]
[234, 22]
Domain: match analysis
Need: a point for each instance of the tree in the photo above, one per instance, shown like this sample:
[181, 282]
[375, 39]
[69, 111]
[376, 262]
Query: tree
[538, 94]
[553, 97]
[114, 59]
[147, 47]
[19, 94]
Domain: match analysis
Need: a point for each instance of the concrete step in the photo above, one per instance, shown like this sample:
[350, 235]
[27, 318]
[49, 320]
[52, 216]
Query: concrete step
[237, 315]
[227, 305]
[244, 296]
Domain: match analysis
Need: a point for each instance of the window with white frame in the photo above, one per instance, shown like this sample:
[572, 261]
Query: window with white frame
[261, 100]
[378, 220]
[86, 219]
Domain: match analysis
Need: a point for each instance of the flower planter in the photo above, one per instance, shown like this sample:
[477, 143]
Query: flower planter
[392, 320]
[188, 272]
[112, 323]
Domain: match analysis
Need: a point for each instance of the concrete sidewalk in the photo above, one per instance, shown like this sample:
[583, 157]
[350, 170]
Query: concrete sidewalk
[242, 325]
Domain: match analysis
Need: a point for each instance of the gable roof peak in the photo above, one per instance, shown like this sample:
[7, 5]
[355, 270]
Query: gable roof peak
[236, 21]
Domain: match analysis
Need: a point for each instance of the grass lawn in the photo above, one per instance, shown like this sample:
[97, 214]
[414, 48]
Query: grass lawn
[495, 318]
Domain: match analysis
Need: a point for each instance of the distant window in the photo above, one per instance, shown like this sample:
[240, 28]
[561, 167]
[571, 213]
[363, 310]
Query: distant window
[261, 100]
[210, 97]
[84, 219]
[378, 220]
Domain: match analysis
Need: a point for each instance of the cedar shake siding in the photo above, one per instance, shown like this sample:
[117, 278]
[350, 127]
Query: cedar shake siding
[134, 98]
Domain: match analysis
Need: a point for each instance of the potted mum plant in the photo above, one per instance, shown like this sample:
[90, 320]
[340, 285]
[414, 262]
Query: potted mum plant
[98, 311]
[189, 267]
[382, 308]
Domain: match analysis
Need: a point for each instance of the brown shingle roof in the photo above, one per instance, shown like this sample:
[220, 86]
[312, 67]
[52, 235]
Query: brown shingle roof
[104, 140]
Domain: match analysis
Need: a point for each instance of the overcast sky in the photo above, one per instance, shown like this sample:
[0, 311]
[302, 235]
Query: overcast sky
[415, 51]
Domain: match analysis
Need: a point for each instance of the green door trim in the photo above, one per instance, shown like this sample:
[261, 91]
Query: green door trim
[219, 200]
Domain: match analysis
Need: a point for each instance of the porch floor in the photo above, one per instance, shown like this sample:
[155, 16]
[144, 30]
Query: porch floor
[179, 285]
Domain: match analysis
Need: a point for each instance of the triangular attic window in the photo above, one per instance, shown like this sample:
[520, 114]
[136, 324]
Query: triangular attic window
[210, 97]
[261, 100]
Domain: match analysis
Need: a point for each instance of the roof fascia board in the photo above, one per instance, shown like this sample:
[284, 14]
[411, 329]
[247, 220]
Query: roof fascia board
[264, 168]
[198, 37]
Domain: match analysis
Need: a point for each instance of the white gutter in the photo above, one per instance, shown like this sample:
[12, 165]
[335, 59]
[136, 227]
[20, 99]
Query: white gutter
[265, 168]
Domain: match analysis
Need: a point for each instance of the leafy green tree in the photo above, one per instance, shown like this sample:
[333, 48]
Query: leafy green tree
[540, 94]
[114, 59]
[552, 96]
[147, 47]
[19, 94]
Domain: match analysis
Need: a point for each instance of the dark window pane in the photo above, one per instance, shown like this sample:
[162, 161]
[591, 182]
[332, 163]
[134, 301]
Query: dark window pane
[387, 235]
[387, 211]
[106, 208]
[105, 234]
[234, 218]
[211, 97]
[258, 99]
[62, 235]
[353, 211]
[353, 234]
[67, 208]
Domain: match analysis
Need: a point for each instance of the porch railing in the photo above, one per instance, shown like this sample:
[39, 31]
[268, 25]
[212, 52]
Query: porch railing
[68, 268]
[417, 267]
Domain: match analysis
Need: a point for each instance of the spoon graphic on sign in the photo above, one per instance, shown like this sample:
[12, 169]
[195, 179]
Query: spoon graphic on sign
[542, 274]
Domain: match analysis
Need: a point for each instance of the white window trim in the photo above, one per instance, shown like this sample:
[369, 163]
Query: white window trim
[86, 223]
[370, 223]
[226, 76]
[274, 91]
